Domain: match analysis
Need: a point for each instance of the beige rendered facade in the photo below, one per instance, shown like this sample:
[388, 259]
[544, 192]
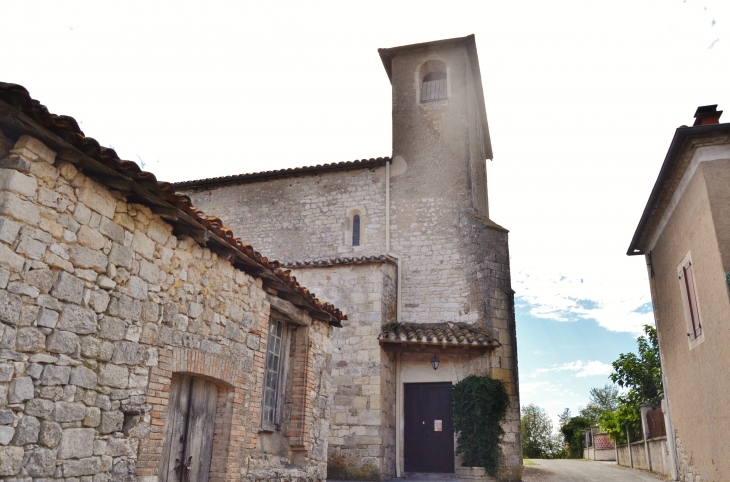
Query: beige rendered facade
[684, 235]
[404, 245]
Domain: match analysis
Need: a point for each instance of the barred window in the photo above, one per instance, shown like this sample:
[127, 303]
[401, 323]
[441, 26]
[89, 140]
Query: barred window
[434, 86]
[273, 375]
[356, 230]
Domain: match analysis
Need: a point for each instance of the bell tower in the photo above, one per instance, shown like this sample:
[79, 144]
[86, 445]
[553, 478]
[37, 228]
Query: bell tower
[440, 128]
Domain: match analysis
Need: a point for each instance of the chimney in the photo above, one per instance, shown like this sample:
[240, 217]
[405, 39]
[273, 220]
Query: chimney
[707, 114]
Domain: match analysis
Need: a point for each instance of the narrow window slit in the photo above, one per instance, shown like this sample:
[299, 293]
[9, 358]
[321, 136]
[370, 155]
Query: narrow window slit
[356, 230]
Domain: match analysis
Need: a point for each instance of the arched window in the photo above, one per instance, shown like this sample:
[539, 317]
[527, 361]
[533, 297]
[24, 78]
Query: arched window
[356, 230]
[434, 86]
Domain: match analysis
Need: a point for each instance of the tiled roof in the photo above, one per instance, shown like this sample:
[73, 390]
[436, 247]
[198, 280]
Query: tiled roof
[255, 176]
[337, 261]
[22, 115]
[436, 333]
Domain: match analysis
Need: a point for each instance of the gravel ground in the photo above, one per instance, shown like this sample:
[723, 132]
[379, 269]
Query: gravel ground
[563, 470]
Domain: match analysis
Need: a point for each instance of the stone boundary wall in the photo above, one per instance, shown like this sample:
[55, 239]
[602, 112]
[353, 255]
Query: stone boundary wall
[100, 304]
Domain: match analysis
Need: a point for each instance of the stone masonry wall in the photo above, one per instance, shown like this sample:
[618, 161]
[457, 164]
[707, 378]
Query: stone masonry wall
[307, 216]
[362, 422]
[100, 304]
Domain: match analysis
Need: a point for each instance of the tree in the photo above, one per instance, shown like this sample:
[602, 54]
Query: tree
[572, 430]
[600, 399]
[564, 417]
[641, 375]
[538, 439]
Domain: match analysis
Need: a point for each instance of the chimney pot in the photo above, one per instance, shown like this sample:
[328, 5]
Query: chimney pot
[706, 115]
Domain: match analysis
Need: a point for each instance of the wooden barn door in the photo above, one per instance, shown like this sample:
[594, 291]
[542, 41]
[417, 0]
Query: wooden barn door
[428, 429]
[188, 442]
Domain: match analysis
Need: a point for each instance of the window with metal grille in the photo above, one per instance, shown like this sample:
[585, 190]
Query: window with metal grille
[273, 374]
[356, 230]
[689, 298]
[434, 86]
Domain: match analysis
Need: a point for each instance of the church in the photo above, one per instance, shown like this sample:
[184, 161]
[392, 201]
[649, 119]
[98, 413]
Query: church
[405, 246]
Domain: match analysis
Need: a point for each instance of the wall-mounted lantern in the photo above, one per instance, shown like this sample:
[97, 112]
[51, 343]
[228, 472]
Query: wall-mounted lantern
[435, 362]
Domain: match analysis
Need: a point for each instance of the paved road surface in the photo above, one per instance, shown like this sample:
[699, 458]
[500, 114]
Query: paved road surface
[566, 470]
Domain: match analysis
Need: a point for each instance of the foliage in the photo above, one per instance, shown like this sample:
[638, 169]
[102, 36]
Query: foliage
[343, 467]
[538, 439]
[600, 400]
[564, 417]
[641, 375]
[480, 407]
[572, 431]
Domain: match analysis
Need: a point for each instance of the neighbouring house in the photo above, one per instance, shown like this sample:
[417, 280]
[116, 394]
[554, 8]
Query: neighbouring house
[140, 340]
[405, 245]
[684, 235]
[597, 445]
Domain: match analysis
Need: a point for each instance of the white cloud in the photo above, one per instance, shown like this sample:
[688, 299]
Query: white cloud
[582, 369]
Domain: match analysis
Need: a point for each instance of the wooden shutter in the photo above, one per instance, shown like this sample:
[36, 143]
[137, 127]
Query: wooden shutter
[689, 300]
[188, 443]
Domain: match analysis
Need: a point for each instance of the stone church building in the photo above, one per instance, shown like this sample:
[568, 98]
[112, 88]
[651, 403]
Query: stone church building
[405, 246]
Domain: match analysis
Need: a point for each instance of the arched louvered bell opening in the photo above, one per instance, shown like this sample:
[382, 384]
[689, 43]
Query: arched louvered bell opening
[434, 86]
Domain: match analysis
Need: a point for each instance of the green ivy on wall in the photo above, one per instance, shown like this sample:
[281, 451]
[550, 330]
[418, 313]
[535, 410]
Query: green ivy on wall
[480, 407]
[727, 280]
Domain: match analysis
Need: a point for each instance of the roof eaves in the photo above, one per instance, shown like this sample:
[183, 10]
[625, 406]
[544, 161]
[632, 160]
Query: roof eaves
[280, 173]
[22, 115]
[681, 134]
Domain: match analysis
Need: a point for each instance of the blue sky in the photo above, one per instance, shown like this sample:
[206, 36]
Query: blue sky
[582, 99]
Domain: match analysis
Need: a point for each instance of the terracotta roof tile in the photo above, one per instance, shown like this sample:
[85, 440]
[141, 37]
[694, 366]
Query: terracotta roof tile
[22, 115]
[436, 333]
[254, 176]
[338, 261]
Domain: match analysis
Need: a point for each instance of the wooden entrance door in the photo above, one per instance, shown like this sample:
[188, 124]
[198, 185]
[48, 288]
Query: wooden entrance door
[428, 432]
[188, 442]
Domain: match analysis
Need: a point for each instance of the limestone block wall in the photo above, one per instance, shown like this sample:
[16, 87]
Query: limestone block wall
[306, 217]
[100, 304]
[362, 422]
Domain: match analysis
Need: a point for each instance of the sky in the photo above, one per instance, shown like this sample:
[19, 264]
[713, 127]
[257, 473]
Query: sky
[582, 98]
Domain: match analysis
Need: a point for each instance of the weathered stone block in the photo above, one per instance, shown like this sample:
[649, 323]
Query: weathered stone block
[83, 377]
[30, 340]
[143, 245]
[113, 376]
[34, 149]
[14, 207]
[39, 407]
[41, 279]
[99, 301]
[9, 307]
[10, 260]
[111, 421]
[31, 248]
[83, 257]
[50, 434]
[112, 328]
[68, 288]
[97, 198]
[27, 431]
[11, 180]
[62, 342]
[11, 460]
[90, 238]
[77, 319]
[55, 375]
[93, 417]
[21, 389]
[87, 466]
[6, 435]
[6, 417]
[69, 411]
[41, 462]
[47, 318]
[148, 271]
[121, 256]
[127, 353]
[6, 372]
[76, 443]
[111, 229]
[8, 230]
[137, 288]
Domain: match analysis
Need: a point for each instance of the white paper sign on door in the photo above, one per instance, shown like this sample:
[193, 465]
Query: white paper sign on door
[437, 426]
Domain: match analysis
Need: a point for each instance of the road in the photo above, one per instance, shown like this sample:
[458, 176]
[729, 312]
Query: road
[566, 470]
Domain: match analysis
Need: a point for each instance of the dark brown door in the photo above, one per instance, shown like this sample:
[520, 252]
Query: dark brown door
[188, 444]
[428, 437]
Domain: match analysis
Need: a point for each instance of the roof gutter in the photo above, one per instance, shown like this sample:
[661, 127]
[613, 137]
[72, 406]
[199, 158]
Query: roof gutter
[670, 161]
